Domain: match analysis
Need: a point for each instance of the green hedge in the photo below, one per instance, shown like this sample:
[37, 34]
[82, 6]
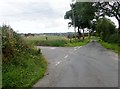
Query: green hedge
[22, 64]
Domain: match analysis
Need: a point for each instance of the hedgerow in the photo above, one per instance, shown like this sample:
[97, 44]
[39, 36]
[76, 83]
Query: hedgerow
[22, 64]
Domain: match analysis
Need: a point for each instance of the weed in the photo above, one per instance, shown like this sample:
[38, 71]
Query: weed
[22, 64]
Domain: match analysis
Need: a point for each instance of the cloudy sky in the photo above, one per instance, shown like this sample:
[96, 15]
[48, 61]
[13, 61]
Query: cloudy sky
[35, 16]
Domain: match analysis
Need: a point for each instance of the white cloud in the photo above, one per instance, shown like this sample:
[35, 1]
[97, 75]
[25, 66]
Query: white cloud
[114, 20]
[35, 15]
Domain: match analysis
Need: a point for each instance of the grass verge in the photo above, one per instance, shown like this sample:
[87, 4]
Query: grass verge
[111, 46]
[31, 68]
[22, 64]
[77, 43]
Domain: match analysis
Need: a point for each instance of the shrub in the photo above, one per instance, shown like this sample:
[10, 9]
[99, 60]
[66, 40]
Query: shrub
[106, 30]
[22, 65]
[12, 44]
[113, 38]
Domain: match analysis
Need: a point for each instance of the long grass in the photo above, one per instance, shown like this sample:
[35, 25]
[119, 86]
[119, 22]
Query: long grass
[51, 40]
[22, 64]
[77, 43]
[112, 46]
[31, 68]
[59, 41]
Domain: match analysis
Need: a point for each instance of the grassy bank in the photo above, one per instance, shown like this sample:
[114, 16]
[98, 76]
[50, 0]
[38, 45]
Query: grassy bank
[111, 46]
[22, 64]
[77, 43]
[25, 74]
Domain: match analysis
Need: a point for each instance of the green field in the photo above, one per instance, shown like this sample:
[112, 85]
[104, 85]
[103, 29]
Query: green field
[51, 40]
[62, 41]
[42, 37]
[59, 41]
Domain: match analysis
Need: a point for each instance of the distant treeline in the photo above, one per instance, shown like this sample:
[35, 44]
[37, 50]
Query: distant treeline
[46, 34]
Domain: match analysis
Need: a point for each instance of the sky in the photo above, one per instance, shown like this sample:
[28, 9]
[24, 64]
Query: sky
[36, 16]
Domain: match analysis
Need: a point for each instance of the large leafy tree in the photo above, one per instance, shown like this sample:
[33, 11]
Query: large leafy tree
[105, 28]
[111, 9]
[81, 13]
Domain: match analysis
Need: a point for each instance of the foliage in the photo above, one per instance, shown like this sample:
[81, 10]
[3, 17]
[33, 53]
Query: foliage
[105, 28]
[0, 57]
[111, 9]
[22, 65]
[113, 38]
[113, 46]
[78, 43]
[11, 44]
[51, 41]
[83, 14]
[58, 41]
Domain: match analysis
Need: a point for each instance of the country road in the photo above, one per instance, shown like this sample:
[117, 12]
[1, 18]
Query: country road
[87, 66]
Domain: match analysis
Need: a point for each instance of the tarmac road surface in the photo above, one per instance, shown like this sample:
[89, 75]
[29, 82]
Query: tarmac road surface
[87, 66]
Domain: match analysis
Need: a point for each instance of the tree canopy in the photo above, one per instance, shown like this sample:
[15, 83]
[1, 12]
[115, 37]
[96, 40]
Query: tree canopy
[81, 13]
[111, 9]
[84, 13]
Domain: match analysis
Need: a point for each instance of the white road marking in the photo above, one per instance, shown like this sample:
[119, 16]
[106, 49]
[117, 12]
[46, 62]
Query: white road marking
[53, 48]
[57, 63]
[75, 49]
[66, 56]
[79, 47]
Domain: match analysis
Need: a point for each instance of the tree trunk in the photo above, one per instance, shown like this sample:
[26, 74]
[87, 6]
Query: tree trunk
[118, 19]
[89, 34]
[119, 24]
[83, 35]
[79, 33]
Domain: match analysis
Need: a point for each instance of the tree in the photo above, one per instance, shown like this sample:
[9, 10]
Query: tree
[111, 9]
[105, 28]
[84, 13]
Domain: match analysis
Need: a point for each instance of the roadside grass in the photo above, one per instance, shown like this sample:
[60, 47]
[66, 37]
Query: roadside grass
[22, 64]
[112, 46]
[31, 68]
[77, 43]
[57, 41]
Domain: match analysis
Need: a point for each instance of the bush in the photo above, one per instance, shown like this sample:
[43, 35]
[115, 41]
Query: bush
[106, 30]
[22, 65]
[113, 38]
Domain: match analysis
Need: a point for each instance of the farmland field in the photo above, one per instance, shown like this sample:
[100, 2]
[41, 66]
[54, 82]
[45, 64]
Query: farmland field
[59, 41]
[42, 37]
[51, 40]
